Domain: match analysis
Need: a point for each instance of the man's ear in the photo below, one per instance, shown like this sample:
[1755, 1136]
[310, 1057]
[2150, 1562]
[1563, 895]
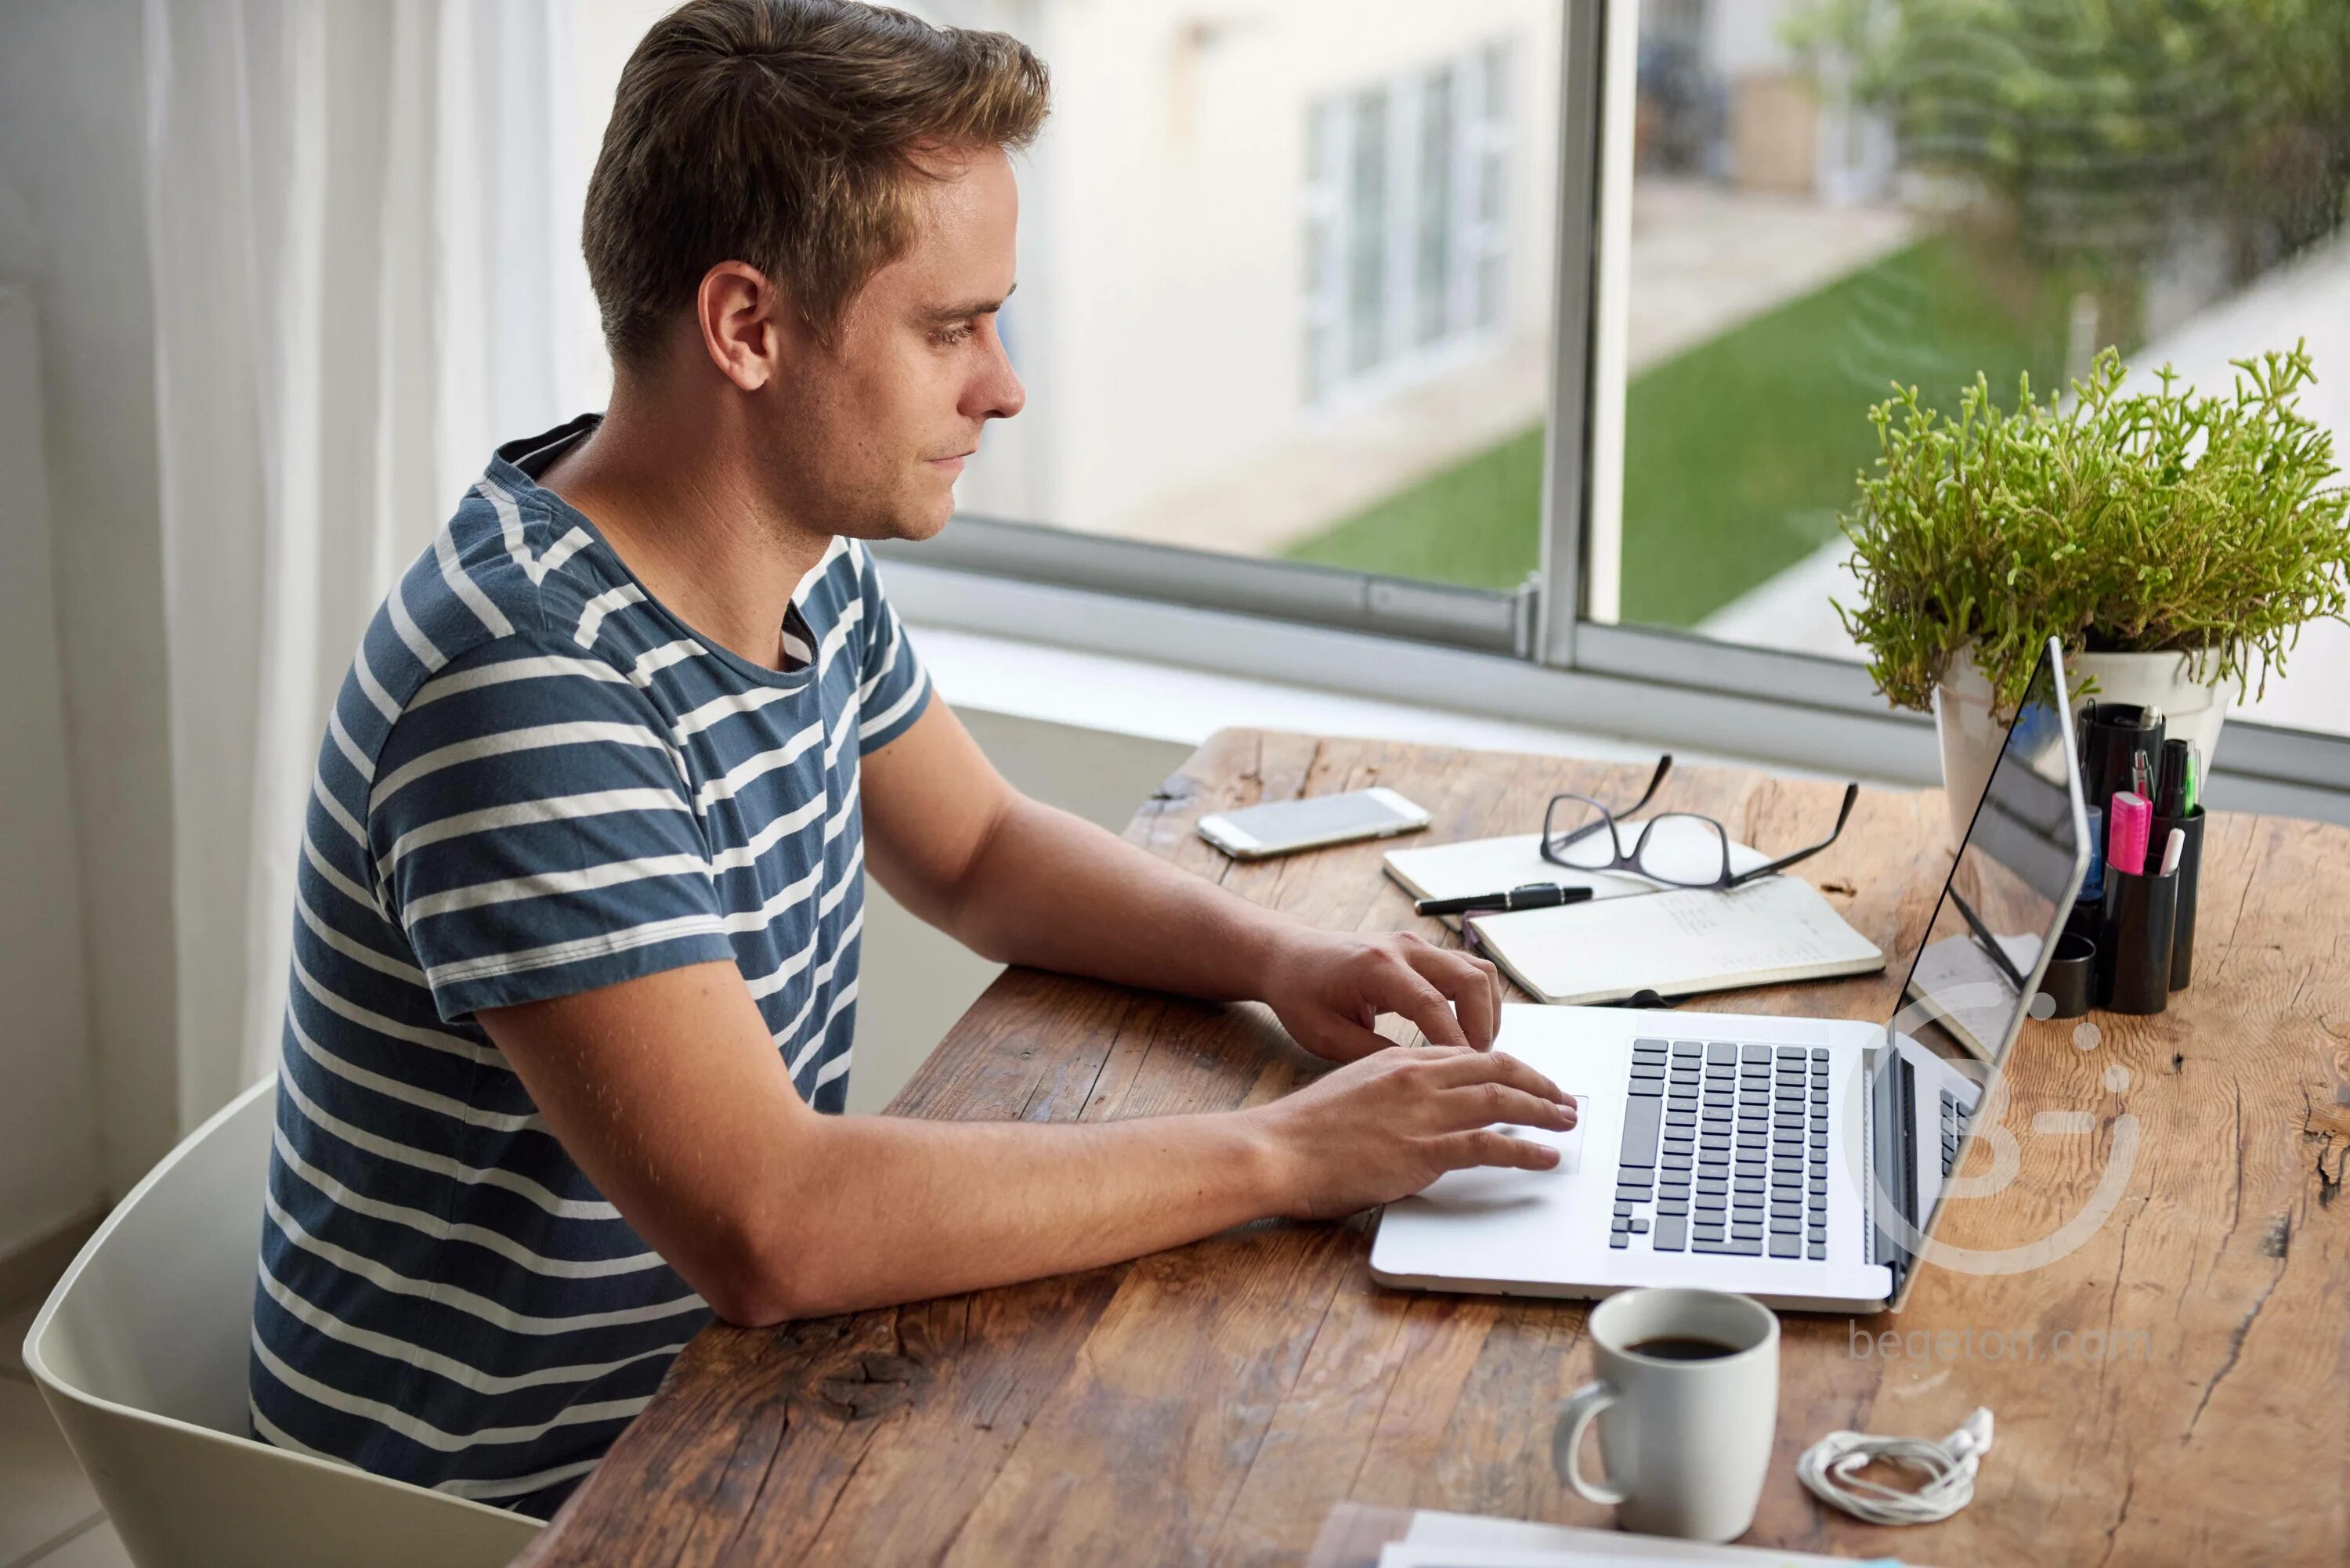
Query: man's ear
[745, 323]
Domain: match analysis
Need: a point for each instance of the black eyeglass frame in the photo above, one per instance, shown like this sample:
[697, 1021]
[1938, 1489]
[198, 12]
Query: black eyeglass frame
[1552, 844]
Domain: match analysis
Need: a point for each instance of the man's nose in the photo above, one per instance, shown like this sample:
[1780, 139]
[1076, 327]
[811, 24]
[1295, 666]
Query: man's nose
[997, 393]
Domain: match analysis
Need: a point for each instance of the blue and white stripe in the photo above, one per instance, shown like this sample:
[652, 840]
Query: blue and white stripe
[536, 781]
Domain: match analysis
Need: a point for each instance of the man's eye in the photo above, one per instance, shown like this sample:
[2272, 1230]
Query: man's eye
[948, 337]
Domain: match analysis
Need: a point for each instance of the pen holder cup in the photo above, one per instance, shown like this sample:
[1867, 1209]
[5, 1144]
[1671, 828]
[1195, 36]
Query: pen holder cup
[2087, 919]
[2190, 862]
[2112, 734]
[2133, 951]
[2071, 975]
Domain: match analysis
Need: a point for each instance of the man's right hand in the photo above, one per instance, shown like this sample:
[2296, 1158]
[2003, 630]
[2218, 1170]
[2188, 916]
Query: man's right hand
[1384, 1127]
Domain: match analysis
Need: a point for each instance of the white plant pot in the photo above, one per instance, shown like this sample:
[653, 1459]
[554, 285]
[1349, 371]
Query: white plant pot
[1971, 738]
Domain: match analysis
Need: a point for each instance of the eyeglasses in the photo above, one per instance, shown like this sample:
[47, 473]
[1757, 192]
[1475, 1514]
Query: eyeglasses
[1679, 849]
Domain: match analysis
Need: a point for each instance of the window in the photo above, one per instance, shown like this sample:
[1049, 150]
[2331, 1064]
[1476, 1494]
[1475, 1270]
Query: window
[1285, 296]
[1406, 244]
[1546, 329]
[1827, 199]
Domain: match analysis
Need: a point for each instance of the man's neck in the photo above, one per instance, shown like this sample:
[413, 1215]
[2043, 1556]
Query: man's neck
[671, 494]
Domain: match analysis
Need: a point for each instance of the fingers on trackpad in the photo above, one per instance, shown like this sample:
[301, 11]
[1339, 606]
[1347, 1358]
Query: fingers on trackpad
[1569, 1144]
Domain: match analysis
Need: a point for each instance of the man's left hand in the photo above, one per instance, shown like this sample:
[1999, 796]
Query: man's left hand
[1328, 987]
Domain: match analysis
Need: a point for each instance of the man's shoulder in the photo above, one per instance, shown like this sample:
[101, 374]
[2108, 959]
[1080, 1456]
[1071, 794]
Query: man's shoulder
[505, 578]
[508, 562]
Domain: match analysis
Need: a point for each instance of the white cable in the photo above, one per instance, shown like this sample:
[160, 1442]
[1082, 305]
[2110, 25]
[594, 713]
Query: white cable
[1831, 1468]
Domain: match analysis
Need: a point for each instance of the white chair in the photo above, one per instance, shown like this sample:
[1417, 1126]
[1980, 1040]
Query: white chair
[141, 1352]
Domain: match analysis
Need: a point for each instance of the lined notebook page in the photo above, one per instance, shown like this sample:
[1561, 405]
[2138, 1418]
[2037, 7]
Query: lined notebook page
[1677, 943]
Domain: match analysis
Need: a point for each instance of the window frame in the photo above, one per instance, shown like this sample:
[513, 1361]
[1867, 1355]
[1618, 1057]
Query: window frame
[1534, 654]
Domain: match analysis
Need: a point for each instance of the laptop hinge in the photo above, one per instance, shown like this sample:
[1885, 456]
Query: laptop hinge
[1869, 1151]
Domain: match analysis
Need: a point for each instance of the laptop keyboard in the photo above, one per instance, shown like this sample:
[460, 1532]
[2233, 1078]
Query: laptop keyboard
[1954, 1128]
[1725, 1150]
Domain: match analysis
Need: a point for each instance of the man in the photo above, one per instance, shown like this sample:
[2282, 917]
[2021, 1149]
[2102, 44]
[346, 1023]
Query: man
[575, 947]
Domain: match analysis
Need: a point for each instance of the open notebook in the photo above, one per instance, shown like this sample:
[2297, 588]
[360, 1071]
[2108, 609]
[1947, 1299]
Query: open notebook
[1633, 936]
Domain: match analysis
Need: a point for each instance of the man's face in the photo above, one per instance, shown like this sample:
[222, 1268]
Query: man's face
[872, 434]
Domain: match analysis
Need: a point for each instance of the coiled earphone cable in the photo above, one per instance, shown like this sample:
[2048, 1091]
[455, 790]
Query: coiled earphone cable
[1831, 1469]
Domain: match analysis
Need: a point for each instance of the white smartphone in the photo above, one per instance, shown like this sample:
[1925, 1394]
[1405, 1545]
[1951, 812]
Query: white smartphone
[1258, 830]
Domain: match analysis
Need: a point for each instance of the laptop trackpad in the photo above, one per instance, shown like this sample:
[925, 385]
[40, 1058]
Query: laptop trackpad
[1485, 1188]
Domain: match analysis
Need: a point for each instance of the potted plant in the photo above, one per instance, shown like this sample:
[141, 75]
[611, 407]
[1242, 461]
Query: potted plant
[2175, 541]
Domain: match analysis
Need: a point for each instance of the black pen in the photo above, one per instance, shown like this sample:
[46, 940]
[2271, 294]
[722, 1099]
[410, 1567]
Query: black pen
[1532, 896]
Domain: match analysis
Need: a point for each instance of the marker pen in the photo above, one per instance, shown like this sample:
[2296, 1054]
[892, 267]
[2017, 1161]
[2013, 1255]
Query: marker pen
[2126, 841]
[2173, 848]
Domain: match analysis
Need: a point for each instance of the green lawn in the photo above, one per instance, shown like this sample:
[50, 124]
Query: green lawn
[1738, 453]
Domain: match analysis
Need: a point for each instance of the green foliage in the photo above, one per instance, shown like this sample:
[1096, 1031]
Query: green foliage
[2103, 127]
[2138, 523]
[1477, 522]
[1737, 451]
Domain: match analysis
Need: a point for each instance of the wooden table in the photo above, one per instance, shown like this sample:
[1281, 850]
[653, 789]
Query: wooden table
[1213, 1405]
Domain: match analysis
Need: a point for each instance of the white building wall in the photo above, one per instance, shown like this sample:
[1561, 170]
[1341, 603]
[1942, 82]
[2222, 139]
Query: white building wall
[1160, 318]
[1743, 37]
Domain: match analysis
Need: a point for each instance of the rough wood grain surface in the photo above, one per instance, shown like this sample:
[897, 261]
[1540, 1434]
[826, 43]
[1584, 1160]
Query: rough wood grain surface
[2171, 1388]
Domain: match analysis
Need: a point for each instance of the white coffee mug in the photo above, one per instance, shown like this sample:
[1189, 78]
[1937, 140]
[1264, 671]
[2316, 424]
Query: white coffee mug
[1690, 1384]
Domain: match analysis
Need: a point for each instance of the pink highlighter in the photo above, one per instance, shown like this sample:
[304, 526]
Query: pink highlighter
[2131, 816]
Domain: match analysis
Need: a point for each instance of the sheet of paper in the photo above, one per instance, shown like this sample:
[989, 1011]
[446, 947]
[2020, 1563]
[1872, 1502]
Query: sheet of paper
[1437, 1539]
[1620, 1551]
[1492, 865]
[1402, 1556]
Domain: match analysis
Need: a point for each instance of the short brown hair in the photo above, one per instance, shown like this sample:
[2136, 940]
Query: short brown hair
[783, 133]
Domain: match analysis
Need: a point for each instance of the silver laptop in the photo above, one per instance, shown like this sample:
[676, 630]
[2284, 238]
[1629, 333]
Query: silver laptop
[1802, 1162]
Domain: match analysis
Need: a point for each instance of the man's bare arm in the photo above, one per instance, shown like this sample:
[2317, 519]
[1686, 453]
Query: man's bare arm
[669, 1094]
[1022, 882]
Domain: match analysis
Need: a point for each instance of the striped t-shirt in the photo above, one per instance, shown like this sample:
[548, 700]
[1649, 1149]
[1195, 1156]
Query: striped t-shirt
[535, 780]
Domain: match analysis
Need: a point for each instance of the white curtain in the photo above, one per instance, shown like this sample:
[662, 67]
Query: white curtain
[364, 223]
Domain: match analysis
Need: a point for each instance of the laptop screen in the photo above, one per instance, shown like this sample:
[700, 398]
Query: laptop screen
[1970, 985]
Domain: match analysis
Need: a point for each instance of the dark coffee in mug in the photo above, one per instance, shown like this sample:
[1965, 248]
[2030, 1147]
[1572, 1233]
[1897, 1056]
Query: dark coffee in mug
[1681, 1347]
